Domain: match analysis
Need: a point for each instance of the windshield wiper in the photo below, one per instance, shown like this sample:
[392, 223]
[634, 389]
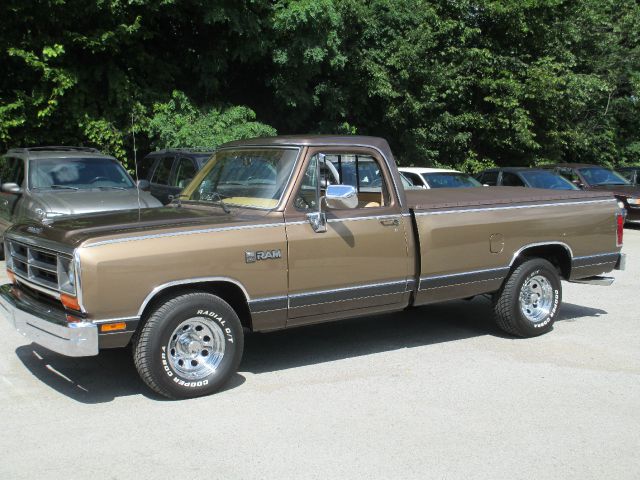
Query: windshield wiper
[66, 187]
[113, 187]
[222, 204]
[215, 195]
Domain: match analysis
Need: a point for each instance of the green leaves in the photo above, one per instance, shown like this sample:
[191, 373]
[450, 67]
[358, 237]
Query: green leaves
[178, 123]
[54, 81]
[459, 83]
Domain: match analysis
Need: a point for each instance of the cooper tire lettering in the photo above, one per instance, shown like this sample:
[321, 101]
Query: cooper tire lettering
[198, 341]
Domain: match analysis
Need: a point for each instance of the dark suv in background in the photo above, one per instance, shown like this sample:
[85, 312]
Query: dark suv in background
[630, 173]
[595, 177]
[41, 183]
[169, 171]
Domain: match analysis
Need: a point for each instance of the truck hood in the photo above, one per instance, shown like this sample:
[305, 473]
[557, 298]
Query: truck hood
[70, 232]
[76, 202]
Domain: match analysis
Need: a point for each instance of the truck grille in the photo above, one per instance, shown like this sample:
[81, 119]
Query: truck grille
[40, 266]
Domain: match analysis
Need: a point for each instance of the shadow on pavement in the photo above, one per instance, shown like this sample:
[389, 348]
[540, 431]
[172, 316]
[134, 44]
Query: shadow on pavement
[421, 326]
[112, 374]
[98, 379]
[572, 313]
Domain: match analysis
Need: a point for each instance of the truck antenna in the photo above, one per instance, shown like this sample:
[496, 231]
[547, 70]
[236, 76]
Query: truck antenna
[135, 162]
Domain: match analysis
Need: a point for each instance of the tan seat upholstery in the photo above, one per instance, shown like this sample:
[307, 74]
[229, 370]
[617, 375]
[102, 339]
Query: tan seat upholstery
[370, 200]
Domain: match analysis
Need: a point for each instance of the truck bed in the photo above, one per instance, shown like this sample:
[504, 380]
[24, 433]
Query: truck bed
[469, 238]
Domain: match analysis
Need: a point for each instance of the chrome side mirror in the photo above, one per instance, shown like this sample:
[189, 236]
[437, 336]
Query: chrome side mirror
[341, 197]
[144, 185]
[11, 187]
[318, 221]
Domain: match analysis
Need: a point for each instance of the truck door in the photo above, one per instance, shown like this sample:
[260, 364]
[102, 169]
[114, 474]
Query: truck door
[361, 261]
[161, 181]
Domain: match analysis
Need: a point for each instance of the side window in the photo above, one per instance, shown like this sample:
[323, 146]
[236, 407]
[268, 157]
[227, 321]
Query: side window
[144, 167]
[489, 178]
[19, 172]
[163, 171]
[11, 170]
[511, 180]
[307, 197]
[628, 174]
[185, 171]
[363, 172]
[360, 171]
[414, 178]
[568, 174]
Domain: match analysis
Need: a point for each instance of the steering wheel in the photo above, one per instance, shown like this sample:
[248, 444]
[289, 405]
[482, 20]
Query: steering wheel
[97, 179]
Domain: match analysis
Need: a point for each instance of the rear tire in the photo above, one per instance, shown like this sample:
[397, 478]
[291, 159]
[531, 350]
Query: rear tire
[189, 347]
[529, 300]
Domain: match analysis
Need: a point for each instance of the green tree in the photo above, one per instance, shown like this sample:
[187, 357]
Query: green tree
[462, 83]
[178, 123]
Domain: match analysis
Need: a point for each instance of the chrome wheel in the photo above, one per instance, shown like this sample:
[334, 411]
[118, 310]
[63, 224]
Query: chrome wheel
[536, 298]
[196, 348]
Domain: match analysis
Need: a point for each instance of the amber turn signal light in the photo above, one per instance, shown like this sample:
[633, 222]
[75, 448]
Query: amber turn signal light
[112, 327]
[70, 302]
[11, 276]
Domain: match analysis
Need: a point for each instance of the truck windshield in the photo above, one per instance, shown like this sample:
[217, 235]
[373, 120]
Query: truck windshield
[77, 174]
[253, 178]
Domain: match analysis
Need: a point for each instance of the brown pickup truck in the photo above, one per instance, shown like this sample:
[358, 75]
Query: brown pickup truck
[278, 232]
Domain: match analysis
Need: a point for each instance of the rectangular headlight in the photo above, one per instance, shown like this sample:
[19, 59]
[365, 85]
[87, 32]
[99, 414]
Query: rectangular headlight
[7, 256]
[66, 275]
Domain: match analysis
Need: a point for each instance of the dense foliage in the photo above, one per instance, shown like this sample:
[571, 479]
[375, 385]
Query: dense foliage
[448, 82]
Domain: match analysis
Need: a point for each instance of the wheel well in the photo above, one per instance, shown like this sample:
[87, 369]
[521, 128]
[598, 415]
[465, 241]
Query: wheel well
[557, 255]
[229, 292]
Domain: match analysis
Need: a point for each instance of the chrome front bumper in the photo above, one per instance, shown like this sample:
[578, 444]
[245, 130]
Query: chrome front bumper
[48, 326]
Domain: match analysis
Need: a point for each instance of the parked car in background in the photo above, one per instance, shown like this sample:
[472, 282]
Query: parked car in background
[408, 184]
[169, 171]
[524, 177]
[438, 178]
[44, 182]
[632, 174]
[595, 177]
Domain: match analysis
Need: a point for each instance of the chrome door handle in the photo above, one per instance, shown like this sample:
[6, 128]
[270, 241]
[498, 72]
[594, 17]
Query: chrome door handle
[390, 222]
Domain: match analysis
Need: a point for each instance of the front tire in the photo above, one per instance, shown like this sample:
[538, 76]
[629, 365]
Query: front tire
[529, 300]
[190, 346]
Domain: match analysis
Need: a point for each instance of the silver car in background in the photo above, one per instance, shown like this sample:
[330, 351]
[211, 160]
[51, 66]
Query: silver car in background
[45, 182]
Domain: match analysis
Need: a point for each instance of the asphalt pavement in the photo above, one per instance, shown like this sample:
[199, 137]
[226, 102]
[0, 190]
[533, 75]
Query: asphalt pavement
[434, 392]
